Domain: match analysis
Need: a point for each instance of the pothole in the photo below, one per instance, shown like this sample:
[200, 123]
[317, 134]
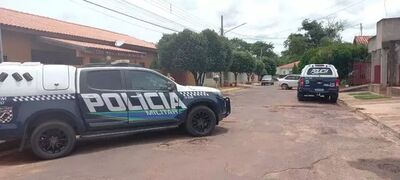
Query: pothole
[389, 167]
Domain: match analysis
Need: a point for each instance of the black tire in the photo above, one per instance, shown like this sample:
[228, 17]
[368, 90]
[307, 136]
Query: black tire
[333, 98]
[53, 139]
[300, 97]
[285, 86]
[201, 121]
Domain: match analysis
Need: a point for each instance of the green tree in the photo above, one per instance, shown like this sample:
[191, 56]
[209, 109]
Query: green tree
[240, 45]
[270, 65]
[197, 53]
[341, 55]
[316, 32]
[262, 49]
[218, 51]
[242, 62]
[185, 50]
[260, 68]
[296, 45]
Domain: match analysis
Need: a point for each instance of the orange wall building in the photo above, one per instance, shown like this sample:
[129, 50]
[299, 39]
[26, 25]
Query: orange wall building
[27, 37]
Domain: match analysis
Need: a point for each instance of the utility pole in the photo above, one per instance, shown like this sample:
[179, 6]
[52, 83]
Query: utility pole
[222, 25]
[1, 48]
[361, 29]
[223, 76]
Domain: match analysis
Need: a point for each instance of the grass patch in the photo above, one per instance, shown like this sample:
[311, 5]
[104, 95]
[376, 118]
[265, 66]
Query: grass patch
[366, 95]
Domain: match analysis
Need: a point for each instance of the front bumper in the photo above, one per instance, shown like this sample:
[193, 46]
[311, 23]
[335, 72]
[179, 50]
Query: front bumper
[311, 91]
[227, 107]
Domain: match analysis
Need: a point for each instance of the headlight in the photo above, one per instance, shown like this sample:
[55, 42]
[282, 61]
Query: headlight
[218, 93]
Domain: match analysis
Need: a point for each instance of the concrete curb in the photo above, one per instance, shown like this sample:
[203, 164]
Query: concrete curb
[370, 119]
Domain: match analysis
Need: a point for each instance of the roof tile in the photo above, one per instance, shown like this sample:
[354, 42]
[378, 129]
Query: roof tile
[40, 23]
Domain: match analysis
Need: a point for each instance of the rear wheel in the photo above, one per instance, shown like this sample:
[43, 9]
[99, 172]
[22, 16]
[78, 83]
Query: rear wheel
[201, 121]
[333, 98]
[285, 86]
[300, 96]
[52, 140]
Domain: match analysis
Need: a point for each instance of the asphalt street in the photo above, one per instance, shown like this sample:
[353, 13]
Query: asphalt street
[269, 135]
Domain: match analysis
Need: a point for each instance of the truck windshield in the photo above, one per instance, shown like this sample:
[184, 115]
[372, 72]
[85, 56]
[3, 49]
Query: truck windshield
[319, 71]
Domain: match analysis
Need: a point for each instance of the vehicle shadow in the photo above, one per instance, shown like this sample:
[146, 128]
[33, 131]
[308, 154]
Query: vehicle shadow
[319, 100]
[13, 157]
[384, 168]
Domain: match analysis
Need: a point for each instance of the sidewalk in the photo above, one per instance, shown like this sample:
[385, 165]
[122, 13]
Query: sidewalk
[383, 112]
[226, 90]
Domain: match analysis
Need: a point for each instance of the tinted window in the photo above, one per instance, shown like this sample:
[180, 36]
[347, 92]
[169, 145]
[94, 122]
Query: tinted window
[292, 78]
[104, 80]
[143, 80]
[319, 71]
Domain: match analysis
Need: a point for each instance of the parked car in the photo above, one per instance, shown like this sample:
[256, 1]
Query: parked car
[47, 107]
[288, 82]
[267, 80]
[319, 80]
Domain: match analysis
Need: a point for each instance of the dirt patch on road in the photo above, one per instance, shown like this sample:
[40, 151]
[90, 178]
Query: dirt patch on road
[191, 145]
[384, 168]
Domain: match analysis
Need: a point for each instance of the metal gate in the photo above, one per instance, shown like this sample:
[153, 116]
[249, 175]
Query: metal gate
[377, 74]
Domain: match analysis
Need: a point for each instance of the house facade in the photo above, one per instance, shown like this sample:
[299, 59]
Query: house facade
[286, 68]
[384, 49]
[31, 38]
[361, 73]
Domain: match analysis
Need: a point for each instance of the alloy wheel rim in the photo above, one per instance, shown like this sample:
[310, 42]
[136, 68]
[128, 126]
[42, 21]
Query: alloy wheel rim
[201, 121]
[53, 141]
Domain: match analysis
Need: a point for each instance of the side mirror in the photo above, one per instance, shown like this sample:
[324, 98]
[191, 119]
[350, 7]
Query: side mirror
[171, 86]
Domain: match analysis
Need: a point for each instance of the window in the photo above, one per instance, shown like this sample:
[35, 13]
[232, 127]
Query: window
[289, 78]
[144, 80]
[104, 80]
[319, 71]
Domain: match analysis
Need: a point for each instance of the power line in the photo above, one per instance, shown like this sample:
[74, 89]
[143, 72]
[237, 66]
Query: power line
[154, 14]
[117, 18]
[127, 15]
[183, 11]
[175, 13]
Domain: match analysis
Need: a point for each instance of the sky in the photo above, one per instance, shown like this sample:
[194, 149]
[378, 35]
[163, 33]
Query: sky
[270, 21]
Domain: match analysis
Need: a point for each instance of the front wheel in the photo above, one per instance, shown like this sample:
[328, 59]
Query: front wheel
[52, 140]
[201, 121]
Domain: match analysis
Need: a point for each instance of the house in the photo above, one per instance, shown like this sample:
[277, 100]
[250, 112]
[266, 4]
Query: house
[361, 40]
[26, 37]
[286, 68]
[361, 73]
[384, 49]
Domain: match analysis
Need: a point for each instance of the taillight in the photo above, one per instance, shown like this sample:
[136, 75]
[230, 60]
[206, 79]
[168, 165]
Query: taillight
[301, 81]
[337, 82]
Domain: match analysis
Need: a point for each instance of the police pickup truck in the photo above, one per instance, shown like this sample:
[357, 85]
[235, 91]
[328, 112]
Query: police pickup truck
[319, 80]
[49, 107]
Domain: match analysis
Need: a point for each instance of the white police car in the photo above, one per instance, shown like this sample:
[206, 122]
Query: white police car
[49, 106]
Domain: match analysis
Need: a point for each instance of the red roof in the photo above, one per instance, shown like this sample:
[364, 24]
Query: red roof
[89, 45]
[44, 24]
[290, 65]
[361, 40]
